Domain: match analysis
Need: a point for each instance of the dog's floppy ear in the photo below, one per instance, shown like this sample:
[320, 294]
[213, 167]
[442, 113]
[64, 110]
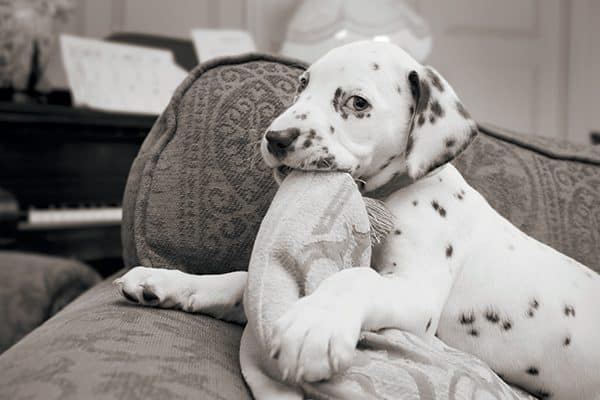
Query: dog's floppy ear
[440, 127]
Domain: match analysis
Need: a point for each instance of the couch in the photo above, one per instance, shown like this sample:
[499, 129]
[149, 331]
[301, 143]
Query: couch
[194, 200]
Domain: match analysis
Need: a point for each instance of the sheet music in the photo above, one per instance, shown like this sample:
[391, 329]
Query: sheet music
[212, 43]
[119, 77]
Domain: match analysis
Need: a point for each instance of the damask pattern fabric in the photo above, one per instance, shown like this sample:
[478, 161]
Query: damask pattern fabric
[101, 347]
[548, 189]
[198, 189]
[35, 287]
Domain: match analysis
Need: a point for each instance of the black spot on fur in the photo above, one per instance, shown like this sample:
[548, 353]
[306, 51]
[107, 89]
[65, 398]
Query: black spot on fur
[399, 89]
[450, 142]
[467, 318]
[398, 232]
[492, 316]
[420, 90]
[301, 116]
[332, 129]
[415, 202]
[431, 119]
[569, 311]
[421, 120]
[449, 251]
[312, 134]
[149, 296]
[411, 110]
[531, 313]
[375, 66]
[337, 99]
[307, 143]
[368, 115]
[437, 109]
[428, 325]
[436, 206]
[507, 325]
[473, 332]
[533, 371]
[435, 79]
[325, 149]
[534, 303]
[130, 297]
[394, 264]
[567, 341]
[462, 110]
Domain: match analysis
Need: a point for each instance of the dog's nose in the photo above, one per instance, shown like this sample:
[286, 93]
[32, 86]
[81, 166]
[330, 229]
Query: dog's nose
[279, 140]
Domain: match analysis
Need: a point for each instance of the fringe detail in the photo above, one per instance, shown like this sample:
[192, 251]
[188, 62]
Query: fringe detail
[380, 219]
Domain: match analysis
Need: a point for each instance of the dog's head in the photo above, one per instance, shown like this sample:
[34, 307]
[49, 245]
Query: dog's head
[372, 110]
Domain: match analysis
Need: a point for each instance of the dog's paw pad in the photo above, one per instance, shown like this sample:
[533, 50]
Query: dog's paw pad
[149, 286]
[149, 296]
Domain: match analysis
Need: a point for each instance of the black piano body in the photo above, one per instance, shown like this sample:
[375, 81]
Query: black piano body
[62, 175]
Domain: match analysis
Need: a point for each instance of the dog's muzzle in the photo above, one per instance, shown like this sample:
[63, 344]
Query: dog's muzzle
[278, 142]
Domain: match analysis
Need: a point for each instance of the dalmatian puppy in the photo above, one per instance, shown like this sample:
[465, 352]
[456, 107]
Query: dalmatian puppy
[452, 267]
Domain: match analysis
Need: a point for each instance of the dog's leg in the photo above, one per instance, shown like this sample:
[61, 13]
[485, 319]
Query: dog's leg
[217, 295]
[317, 336]
[253, 363]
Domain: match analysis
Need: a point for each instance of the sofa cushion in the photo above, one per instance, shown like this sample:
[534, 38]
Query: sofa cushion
[198, 190]
[101, 347]
[35, 287]
[550, 189]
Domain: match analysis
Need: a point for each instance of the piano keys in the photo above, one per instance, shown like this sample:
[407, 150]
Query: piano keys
[64, 170]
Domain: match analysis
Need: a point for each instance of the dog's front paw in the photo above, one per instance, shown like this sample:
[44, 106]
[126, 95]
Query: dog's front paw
[315, 339]
[152, 287]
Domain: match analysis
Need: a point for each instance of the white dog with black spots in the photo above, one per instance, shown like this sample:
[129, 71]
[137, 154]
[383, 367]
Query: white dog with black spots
[452, 267]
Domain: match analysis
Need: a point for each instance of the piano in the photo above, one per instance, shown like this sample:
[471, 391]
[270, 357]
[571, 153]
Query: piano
[62, 175]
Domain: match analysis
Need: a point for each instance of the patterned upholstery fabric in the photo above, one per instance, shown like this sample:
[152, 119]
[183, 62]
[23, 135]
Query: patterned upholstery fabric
[35, 287]
[194, 201]
[101, 347]
[549, 189]
[198, 190]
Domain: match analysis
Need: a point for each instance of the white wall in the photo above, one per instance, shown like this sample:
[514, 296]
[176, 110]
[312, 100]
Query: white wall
[526, 65]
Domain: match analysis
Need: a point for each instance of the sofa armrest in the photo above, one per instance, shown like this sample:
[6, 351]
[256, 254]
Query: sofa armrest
[100, 346]
[35, 287]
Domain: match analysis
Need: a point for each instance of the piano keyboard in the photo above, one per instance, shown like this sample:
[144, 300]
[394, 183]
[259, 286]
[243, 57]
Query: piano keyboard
[71, 218]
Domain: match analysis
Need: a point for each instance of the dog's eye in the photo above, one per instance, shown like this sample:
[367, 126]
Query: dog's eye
[358, 103]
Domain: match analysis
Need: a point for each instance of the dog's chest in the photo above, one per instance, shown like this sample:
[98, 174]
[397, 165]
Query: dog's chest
[429, 223]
